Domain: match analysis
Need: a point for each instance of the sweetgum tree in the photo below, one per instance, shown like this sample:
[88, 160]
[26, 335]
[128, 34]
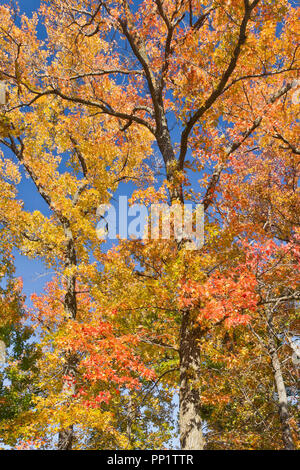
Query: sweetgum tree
[207, 85]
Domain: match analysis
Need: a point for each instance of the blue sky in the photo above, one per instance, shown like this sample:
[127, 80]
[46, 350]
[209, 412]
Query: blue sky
[28, 6]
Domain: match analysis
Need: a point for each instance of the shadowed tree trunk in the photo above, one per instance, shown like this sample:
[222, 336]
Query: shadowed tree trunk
[190, 423]
[281, 391]
[65, 438]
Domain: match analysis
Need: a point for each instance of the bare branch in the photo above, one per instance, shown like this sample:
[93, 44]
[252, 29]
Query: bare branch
[220, 87]
[290, 146]
[208, 198]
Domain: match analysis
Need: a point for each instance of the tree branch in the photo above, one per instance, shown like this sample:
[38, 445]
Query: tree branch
[207, 200]
[220, 87]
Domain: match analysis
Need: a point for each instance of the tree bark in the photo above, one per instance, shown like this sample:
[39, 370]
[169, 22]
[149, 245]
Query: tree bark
[190, 422]
[282, 397]
[65, 438]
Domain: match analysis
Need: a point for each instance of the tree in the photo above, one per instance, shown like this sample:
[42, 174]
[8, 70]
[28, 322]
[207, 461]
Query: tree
[270, 219]
[18, 373]
[65, 236]
[216, 72]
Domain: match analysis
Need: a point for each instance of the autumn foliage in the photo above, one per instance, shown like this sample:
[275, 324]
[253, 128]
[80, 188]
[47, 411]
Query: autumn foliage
[168, 101]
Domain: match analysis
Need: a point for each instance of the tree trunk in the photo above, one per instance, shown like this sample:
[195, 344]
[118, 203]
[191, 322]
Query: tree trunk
[65, 438]
[282, 397]
[130, 418]
[190, 422]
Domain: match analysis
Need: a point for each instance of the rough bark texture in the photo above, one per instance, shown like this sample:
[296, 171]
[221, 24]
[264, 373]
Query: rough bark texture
[191, 436]
[282, 396]
[65, 438]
